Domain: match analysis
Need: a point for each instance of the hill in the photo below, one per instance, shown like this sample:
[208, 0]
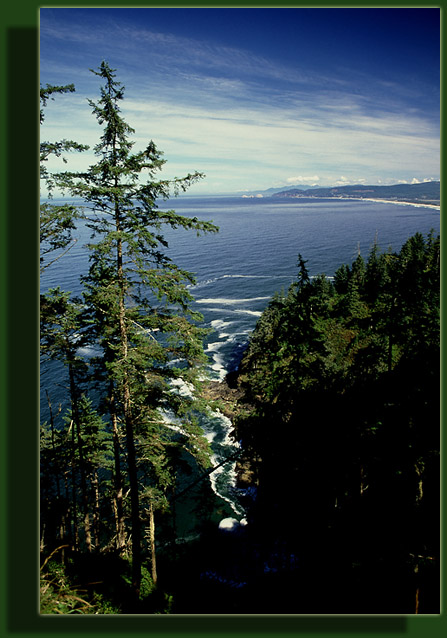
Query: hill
[425, 193]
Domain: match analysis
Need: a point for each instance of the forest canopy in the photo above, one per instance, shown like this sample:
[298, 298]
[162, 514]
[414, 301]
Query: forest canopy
[342, 380]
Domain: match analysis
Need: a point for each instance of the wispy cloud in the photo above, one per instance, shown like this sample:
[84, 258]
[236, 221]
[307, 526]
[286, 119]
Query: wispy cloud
[242, 118]
[304, 179]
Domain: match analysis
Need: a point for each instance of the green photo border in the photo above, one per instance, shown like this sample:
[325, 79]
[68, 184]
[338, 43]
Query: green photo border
[19, 535]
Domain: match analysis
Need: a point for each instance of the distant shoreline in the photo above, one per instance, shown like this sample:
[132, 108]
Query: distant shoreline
[370, 199]
[354, 199]
[394, 201]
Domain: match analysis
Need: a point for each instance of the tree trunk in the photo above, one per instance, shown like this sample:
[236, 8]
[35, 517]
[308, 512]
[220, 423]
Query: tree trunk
[42, 544]
[67, 521]
[80, 445]
[118, 481]
[130, 434]
[416, 604]
[390, 336]
[75, 534]
[62, 532]
[96, 514]
[135, 509]
[152, 543]
[53, 445]
[419, 469]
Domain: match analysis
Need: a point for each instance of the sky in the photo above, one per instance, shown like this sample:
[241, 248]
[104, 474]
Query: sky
[255, 98]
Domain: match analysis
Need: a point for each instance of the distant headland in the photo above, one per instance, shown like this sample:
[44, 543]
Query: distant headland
[426, 193]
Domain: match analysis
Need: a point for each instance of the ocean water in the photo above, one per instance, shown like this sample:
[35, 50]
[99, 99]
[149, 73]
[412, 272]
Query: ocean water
[238, 270]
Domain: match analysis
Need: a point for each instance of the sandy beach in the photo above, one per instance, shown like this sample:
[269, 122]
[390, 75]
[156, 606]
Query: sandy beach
[393, 201]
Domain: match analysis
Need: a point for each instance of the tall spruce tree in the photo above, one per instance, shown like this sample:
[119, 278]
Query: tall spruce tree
[138, 308]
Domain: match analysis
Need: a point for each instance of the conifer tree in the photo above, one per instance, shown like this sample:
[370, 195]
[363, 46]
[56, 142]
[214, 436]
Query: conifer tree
[60, 339]
[138, 305]
[347, 374]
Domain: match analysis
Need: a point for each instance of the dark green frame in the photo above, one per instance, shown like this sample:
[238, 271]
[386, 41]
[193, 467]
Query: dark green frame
[19, 379]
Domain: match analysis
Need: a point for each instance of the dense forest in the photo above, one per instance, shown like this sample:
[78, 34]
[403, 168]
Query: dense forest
[335, 403]
[341, 434]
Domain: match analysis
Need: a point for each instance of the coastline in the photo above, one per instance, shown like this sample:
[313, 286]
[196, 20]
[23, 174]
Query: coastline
[376, 200]
[394, 201]
[230, 398]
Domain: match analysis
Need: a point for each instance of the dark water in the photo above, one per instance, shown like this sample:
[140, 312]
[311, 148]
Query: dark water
[239, 269]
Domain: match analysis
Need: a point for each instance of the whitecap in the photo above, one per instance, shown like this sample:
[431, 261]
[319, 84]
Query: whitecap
[220, 369]
[213, 480]
[183, 388]
[218, 324]
[89, 351]
[221, 311]
[251, 276]
[255, 313]
[227, 301]
[201, 284]
[174, 362]
[212, 347]
[210, 436]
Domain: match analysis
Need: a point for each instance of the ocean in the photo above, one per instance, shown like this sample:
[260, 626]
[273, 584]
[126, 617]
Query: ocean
[237, 271]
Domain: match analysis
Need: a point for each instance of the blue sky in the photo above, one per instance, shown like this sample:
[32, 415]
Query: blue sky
[256, 98]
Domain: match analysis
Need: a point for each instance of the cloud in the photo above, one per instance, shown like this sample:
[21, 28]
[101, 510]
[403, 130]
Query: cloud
[342, 181]
[250, 146]
[303, 179]
[244, 120]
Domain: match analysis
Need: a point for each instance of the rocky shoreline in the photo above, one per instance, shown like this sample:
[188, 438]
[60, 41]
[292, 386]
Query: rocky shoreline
[229, 397]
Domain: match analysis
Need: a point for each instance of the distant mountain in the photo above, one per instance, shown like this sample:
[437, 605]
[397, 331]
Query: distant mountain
[427, 192]
[301, 187]
[272, 191]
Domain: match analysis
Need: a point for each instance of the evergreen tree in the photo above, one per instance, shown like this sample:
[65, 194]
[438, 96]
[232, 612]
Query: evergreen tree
[138, 304]
[342, 380]
[60, 339]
